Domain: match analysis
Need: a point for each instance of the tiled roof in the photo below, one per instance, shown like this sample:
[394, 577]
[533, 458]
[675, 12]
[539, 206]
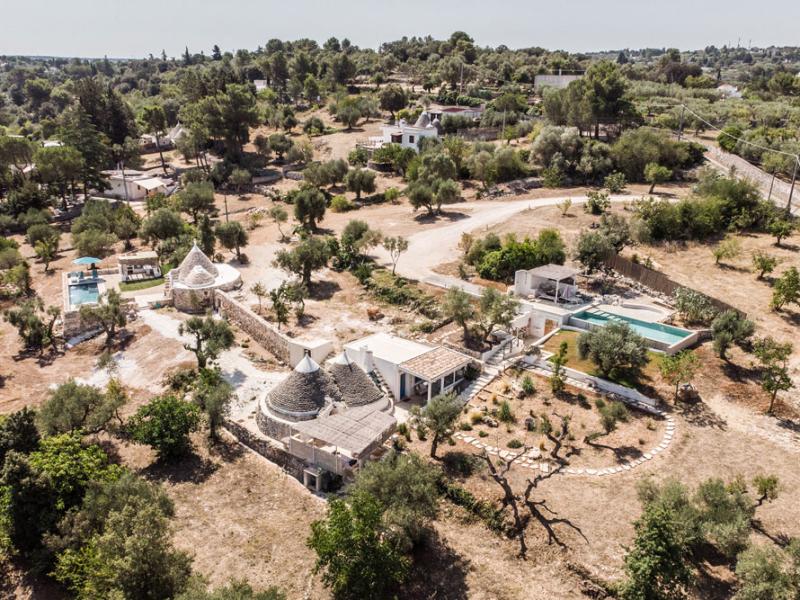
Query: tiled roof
[436, 363]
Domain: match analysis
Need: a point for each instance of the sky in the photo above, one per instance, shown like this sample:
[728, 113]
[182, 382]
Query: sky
[136, 28]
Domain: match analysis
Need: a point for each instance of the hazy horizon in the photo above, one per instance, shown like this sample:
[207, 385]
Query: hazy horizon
[95, 28]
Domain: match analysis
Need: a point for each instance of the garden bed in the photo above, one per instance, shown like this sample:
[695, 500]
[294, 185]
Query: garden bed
[502, 415]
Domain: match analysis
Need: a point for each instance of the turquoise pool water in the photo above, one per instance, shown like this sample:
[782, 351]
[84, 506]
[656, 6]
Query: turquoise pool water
[652, 331]
[83, 293]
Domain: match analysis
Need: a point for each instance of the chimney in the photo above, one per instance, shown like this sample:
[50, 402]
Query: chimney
[369, 365]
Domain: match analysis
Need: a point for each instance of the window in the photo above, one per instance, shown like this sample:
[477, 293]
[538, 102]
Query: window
[411, 139]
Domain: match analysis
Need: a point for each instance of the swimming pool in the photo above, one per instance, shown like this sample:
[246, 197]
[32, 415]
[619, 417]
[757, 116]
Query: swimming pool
[83, 293]
[666, 334]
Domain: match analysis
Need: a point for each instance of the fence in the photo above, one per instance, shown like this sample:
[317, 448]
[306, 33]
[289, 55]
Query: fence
[655, 280]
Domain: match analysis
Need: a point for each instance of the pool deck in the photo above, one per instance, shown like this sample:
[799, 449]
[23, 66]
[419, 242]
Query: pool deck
[641, 309]
[106, 279]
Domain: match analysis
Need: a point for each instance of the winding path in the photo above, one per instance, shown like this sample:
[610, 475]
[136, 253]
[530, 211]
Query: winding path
[432, 247]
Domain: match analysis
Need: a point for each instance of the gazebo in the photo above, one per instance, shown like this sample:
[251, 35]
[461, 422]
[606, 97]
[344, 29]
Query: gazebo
[548, 282]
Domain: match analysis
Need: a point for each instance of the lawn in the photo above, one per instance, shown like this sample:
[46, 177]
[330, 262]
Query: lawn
[140, 285]
[574, 361]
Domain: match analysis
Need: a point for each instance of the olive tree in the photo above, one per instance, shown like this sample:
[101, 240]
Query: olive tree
[614, 348]
[310, 255]
[211, 336]
[309, 207]
[438, 417]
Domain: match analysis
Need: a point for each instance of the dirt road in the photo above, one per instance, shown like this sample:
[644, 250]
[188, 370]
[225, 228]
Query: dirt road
[432, 247]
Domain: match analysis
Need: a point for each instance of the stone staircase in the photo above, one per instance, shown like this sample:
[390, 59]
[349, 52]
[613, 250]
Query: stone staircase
[381, 383]
[473, 389]
[509, 348]
[507, 353]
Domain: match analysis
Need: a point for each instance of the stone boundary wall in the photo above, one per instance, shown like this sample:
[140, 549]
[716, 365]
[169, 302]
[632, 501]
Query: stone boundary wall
[273, 453]
[656, 280]
[256, 327]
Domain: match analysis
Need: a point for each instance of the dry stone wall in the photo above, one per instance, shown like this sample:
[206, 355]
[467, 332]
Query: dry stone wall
[256, 327]
[269, 450]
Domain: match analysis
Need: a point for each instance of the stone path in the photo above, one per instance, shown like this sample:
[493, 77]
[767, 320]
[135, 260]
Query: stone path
[532, 459]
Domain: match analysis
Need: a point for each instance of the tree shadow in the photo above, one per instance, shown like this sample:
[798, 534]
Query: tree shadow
[732, 268]
[306, 319]
[740, 374]
[621, 453]
[323, 290]
[444, 215]
[699, 414]
[792, 426]
[38, 586]
[190, 468]
[42, 360]
[460, 465]
[438, 572]
[227, 450]
[709, 584]
[790, 316]
[575, 398]
[779, 539]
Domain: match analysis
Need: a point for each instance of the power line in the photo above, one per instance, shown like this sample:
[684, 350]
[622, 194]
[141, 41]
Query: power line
[738, 139]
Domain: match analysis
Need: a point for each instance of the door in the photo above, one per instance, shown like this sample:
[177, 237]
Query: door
[402, 386]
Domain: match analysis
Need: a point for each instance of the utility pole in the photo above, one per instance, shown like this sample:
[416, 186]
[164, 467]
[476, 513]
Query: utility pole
[680, 127]
[791, 189]
[771, 183]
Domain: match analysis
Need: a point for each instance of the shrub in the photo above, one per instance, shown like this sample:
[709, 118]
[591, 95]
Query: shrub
[505, 414]
[693, 306]
[464, 426]
[340, 204]
[597, 203]
[314, 126]
[552, 177]
[528, 388]
[514, 444]
[615, 182]
[476, 417]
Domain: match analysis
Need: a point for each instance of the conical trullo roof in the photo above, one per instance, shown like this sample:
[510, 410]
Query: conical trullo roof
[198, 277]
[195, 258]
[423, 121]
[355, 386]
[304, 392]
